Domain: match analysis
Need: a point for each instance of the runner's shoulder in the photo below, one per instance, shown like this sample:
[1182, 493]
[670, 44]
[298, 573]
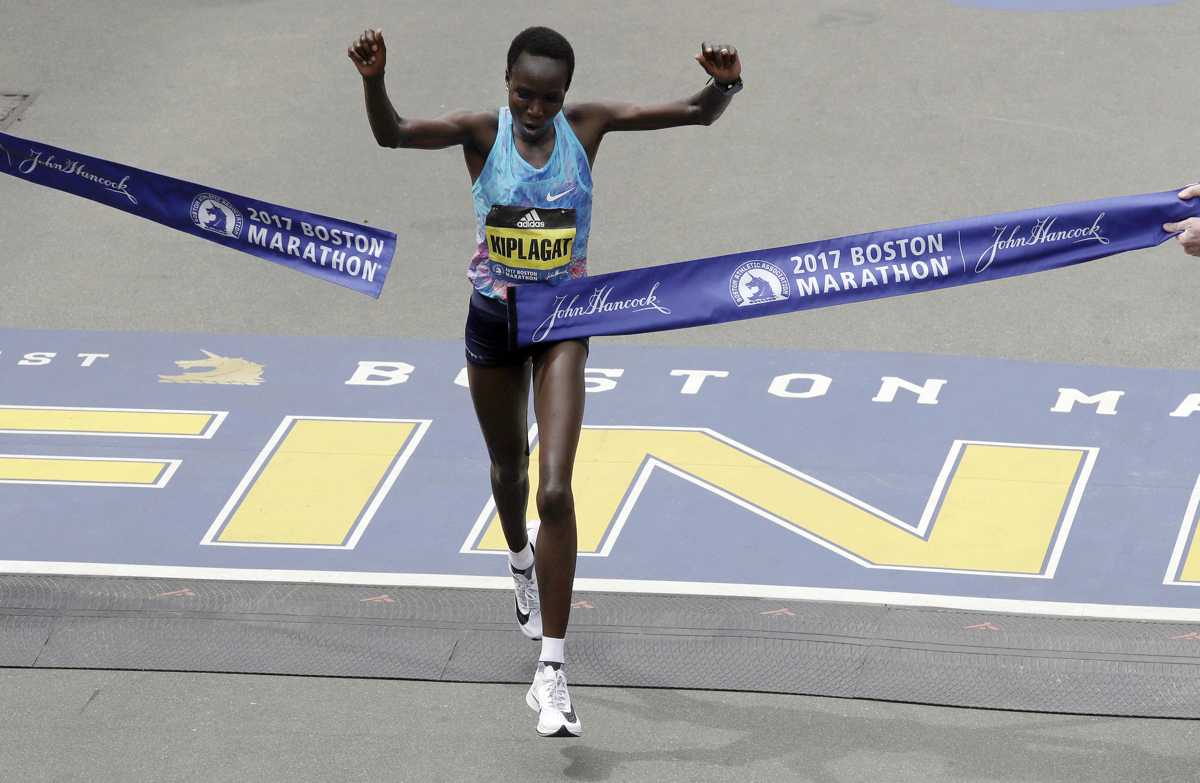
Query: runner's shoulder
[472, 119]
[589, 111]
[479, 125]
[590, 120]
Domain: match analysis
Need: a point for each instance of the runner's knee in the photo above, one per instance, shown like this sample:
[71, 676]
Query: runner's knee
[511, 472]
[555, 502]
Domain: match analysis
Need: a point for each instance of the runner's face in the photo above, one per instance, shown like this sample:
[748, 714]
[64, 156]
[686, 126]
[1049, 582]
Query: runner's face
[537, 87]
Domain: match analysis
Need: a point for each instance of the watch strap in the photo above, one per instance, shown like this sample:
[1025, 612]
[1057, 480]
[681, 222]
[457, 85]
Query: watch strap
[729, 88]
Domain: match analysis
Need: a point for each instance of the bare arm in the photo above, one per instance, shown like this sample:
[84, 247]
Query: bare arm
[595, 119]
[457, 128]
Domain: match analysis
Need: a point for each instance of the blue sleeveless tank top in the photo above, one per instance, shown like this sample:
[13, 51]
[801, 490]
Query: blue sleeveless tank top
[507, 180]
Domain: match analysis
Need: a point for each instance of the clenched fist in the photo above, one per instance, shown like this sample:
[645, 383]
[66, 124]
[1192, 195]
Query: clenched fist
[369, 54]
[720, 61]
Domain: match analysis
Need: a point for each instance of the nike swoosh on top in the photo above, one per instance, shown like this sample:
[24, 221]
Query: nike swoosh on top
[560, 195]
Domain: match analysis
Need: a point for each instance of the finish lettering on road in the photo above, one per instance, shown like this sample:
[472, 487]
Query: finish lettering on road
[125, 422]
[997, 508]
[85, 471]
[1184, 568]
[317, 483]
[81, 471]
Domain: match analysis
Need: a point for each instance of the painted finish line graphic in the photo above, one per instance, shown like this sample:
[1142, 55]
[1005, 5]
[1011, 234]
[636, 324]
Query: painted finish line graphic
[853, 475]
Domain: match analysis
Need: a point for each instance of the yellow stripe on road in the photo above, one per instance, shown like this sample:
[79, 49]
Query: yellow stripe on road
[85, 421]
[83, 472]
[318, 483]
[1191, 564]
[1000, 511]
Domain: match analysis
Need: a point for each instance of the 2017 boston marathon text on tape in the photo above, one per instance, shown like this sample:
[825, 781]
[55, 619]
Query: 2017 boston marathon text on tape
[337, 259]
[213, 213]
[896, 261]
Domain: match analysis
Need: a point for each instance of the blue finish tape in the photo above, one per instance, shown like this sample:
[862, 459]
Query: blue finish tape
[837, 271]
[338, 251]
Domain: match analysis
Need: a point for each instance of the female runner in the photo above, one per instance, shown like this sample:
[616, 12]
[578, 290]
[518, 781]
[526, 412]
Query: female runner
[531, 168]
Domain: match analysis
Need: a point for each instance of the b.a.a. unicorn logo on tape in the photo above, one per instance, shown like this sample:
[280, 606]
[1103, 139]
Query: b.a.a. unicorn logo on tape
[213, 213]
[239, 372]
[758, 282]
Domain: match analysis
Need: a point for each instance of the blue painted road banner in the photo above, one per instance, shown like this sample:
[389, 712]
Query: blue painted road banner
[838, 271]
[338, 251]
[829, 475]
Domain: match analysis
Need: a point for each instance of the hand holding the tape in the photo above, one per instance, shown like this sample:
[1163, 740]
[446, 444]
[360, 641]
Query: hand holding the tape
[1190, 238]
[369, 54]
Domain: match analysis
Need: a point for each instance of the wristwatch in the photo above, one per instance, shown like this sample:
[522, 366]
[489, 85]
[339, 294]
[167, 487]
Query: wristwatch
[729, 88]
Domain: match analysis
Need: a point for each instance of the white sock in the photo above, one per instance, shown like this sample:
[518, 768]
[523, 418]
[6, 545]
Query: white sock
[552, 650]
[523, 559]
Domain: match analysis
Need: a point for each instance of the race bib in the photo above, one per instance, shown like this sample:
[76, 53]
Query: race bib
[529, 245]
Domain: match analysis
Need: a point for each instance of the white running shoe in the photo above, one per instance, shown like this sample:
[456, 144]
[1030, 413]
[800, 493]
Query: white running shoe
[548, 696]
[529, 609]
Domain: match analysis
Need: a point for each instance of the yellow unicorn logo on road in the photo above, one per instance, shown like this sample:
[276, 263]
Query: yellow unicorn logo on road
[239, 372]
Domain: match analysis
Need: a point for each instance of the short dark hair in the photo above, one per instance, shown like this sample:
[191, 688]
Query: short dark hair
[543, 42]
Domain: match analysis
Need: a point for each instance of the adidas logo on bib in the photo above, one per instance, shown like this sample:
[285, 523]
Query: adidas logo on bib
[531, 220]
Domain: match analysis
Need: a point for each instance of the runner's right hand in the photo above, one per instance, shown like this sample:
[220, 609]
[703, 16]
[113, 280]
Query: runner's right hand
[369, 54]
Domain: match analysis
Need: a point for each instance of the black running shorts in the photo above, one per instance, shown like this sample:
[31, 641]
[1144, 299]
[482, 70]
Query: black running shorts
[487, 336]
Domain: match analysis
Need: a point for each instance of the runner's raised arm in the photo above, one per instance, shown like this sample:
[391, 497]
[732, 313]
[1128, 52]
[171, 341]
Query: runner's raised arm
[469, 129]
[594, 119]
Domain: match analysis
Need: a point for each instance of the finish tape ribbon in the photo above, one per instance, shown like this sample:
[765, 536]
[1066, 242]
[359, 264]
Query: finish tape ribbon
[349, 254]
[838, 271]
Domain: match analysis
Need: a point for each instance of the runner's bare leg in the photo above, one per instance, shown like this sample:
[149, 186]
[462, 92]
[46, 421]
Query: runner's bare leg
[558, 401]
[501, 399]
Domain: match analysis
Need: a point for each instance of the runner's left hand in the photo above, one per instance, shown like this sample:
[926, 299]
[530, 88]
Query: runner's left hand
[1190, 238]
[720, 61]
